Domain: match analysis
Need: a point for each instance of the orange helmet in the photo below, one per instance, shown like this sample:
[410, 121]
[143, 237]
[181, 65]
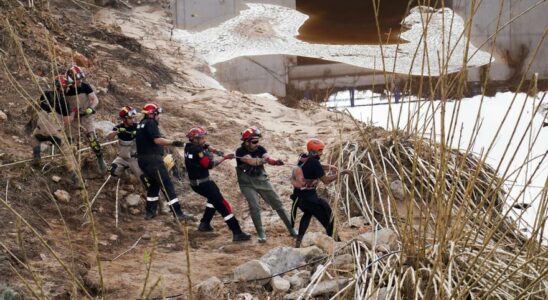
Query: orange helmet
[75, 73]
[152, 109]
[127, 112]
[315, 145]
[196, 132]
[61, 82]
[250, 133]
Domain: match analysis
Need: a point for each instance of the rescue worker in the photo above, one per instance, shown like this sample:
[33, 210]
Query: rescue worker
[304, 194]
[199, 160]
[83, 102]
[53, 116]
[150, 152]
[253, 180]
[127, 149]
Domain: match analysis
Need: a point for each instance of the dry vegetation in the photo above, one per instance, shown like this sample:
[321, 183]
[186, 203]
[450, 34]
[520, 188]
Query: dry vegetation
[456, 238]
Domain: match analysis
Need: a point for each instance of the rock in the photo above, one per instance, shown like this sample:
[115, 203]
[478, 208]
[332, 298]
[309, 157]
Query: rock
[146, 236]
[323, 288]
[310, 252]
[3, 117]
[384, 294]
[55, 178]
[103, 243]
[279, 284]
[134, 211]
[62, 195]
[398, 190]
[245, 296]
[252, 270]
[211, 289]
[113, 237]
[122, 193]
[384, 237]
[342, 260]
[322, 240]
[299, 279]
[133, 200]
[358, 222]
[282, 259]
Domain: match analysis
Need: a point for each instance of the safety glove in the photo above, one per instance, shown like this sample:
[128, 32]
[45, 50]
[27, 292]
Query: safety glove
[229, 156]
[88, 111]
[280, 162]
[220, 153]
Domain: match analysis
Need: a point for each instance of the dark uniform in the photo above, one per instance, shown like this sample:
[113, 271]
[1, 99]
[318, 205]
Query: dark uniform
[150, 159]
[198, 161]
[307, 199]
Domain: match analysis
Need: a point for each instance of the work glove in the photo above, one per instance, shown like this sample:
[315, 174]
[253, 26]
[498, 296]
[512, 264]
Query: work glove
[280, 162]
[88, 111]
[120, 129]
[178, 144]
[220, 153]
[229, 156]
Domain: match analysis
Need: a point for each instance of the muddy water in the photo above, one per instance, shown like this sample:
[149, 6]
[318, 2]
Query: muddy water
[353, 21]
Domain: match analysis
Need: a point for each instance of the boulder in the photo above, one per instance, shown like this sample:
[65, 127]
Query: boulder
[323, 288]
[358, 222]
[133, 200]
[342, 260]
[310, 253]
[62, 195]
[384, 238]
[253, 270]
[398, 189]
[299, 279]
[321, 240]
[211, 289]
[282, 259]
[279, 284]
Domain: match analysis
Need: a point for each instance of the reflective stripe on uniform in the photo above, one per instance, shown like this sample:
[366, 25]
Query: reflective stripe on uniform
[152, 199]
[173, 201]
[228, 217]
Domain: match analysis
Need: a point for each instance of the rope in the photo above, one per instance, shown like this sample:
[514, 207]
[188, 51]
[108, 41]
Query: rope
[52, 156]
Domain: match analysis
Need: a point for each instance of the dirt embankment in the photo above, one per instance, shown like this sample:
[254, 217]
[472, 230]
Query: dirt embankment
[129, 58]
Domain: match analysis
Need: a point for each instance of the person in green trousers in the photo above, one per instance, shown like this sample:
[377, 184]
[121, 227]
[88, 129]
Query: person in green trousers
[253, 180]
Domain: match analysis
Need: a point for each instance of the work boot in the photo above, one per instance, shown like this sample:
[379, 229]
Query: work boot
[240, 237]
[261, 237]
[36, 159]
[151, 208]
[285, 218]
[298, 242]
[205, 227]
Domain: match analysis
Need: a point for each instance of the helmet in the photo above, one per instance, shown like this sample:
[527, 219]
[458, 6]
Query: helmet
[75, 73]
[61, 82]
[127, 112]
[315, 145]
[196, 132]
[152, 108]
[250, 133]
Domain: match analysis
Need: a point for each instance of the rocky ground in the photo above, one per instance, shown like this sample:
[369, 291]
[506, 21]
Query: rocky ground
[129, 57]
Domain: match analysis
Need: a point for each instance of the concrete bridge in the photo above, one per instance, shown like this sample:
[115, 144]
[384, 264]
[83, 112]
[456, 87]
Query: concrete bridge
[516, 43]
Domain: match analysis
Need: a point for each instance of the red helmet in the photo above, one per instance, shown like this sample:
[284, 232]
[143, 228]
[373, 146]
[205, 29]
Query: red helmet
[251, 132]
[315, 145]
[127, 112]
[61, 82]
[75, 73]
[196, 132]
[152, 109]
